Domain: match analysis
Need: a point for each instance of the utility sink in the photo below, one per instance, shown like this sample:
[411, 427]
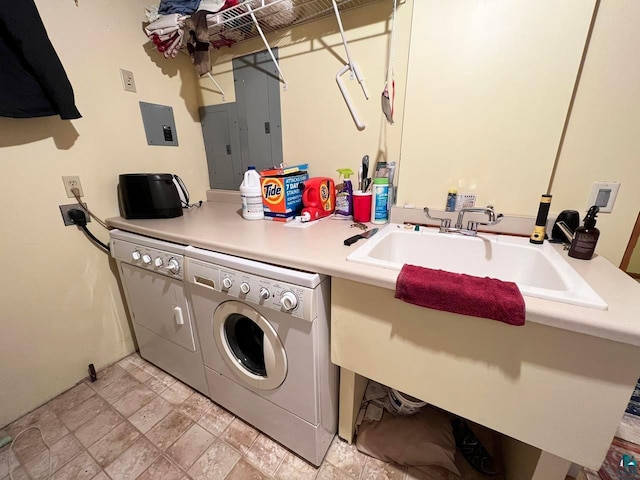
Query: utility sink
[538, 270]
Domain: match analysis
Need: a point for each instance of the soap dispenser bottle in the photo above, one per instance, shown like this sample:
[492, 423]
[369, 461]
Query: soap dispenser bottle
[586, 237]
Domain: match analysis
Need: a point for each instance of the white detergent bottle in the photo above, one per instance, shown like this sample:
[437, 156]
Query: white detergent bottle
[251, 194]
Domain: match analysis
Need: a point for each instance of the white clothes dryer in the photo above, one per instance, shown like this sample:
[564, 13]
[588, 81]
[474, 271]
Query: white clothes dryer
[152, 277]
[264, 333]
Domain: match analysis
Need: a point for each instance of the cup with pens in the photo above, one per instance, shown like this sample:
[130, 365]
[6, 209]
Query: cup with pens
[362, 198]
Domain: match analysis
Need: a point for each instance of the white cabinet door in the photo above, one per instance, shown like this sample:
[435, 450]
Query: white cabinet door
[159, 304]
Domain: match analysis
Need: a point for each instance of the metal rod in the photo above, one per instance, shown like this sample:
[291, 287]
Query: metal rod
[353, 67]
[344, 39]
[266, 44]
[347, 98]
[216, 84]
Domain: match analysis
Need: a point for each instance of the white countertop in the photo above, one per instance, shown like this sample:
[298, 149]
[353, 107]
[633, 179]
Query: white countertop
[319, 248]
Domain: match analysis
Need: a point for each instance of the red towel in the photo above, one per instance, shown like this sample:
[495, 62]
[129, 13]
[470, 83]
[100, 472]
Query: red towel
[459, 293]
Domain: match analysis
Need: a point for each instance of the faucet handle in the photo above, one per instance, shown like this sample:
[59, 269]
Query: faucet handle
[444, 222]
[492, 221]
[492, 215]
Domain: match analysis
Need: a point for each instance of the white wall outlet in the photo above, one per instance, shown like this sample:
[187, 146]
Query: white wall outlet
[72, 181]
[128, 82]
[603, 195]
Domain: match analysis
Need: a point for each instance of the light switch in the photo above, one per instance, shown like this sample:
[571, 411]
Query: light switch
[603, 195]
[602, 199]
[128, 82]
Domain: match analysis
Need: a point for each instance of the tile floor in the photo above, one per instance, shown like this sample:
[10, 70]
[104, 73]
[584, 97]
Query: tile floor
[626, 441]
[136, 421]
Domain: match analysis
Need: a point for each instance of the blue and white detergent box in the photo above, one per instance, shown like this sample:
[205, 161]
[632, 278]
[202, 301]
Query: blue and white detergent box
[281, 193]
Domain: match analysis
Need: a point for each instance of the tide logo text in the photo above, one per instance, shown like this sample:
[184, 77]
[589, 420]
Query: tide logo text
[272, 191]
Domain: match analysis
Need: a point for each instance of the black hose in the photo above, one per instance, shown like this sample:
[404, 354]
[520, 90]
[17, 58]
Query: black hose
[93, 237]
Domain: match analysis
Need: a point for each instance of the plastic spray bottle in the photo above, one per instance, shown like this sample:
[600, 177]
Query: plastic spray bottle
[344, 198]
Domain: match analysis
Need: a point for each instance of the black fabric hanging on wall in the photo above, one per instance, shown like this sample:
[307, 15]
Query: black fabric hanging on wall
[33, 82]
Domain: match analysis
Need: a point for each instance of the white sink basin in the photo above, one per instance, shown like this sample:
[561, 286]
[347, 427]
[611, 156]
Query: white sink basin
[538, 270]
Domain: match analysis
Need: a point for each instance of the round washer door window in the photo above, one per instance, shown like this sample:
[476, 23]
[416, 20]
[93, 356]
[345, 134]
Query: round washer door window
[249, 345]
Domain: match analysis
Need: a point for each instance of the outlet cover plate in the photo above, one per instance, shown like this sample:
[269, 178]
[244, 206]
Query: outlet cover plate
[603, 194]
[71, 181]
[64, 210]
[128, 82]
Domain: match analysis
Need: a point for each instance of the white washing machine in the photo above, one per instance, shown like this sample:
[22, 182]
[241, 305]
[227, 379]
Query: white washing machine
[264, 333]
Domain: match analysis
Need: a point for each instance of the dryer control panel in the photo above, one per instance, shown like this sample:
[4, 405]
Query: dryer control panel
[149, 258]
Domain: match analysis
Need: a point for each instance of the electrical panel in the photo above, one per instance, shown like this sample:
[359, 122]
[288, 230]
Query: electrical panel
[159, 125]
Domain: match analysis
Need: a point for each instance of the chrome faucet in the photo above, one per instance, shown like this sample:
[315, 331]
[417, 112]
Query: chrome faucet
[472, 226]
[493, 218]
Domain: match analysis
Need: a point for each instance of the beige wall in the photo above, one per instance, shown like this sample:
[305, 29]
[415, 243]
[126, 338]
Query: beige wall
[61, 306]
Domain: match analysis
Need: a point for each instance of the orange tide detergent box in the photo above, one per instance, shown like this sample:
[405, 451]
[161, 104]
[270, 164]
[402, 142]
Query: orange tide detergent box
[281, 193]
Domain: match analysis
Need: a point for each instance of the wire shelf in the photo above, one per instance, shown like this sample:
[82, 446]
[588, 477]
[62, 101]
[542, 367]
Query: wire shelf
[236, 24]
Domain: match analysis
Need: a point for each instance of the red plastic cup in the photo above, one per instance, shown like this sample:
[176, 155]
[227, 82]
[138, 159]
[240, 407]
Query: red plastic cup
[361, 206]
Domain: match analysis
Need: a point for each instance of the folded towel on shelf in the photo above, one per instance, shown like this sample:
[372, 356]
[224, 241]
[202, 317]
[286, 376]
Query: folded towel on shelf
[169, 45]
[167, 34]
[165, 24]
[461, 293]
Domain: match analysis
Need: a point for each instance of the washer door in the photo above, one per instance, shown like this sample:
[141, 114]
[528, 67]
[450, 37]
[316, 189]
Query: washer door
[249, 345]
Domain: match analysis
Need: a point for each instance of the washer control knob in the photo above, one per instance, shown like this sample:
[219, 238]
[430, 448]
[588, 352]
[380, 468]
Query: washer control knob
[227, 282]
[173, 266]
[245, 287]
[158, 262]
[288, 301]
[146, 259]
[264, 293]
[136, 256]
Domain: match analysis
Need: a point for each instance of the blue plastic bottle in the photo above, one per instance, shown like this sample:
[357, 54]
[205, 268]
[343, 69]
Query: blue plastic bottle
[344, 198]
